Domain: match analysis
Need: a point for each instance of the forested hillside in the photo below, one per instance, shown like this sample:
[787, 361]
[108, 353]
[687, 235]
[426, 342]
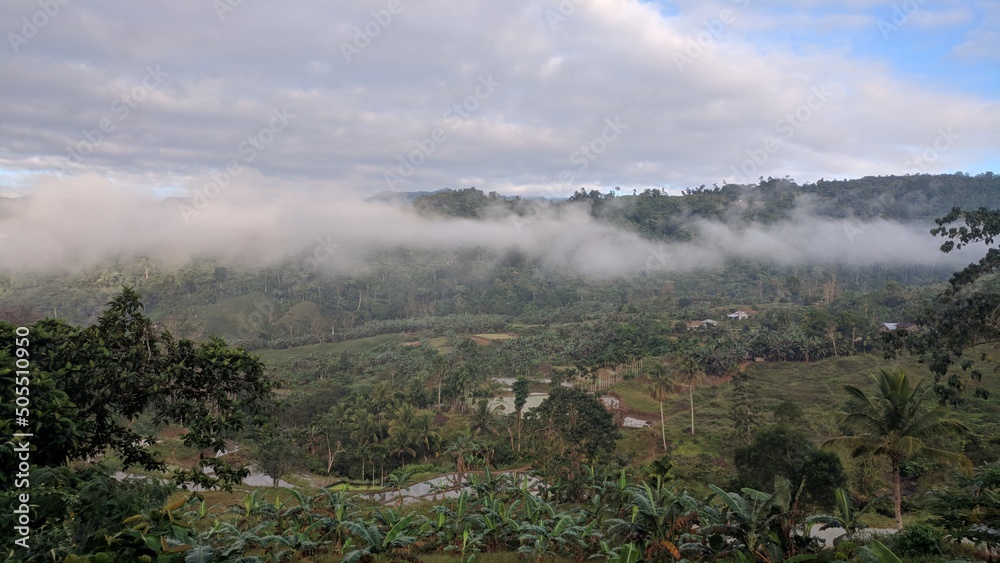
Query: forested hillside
[685, 411]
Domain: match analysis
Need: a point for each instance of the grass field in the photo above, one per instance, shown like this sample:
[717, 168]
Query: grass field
[329, 349]
[817, 388]
[496, 336]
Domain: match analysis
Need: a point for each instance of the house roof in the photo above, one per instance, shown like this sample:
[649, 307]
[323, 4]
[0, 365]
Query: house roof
[894, 326]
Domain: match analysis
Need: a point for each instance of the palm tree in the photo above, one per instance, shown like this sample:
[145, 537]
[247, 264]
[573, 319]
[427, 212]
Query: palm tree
[425, 435]
[690, 373]
[401, 443]
[661, 384]
[893, 423]
[366, 432]
[483, 419]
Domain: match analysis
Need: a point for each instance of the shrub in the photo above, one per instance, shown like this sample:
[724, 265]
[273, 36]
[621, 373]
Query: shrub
[917, 540]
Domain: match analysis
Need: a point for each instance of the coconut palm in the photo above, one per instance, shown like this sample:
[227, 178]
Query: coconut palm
[690, 373]
[893, 423]
[400, 444]
[661, 385]
[483, 419]
[425, 435]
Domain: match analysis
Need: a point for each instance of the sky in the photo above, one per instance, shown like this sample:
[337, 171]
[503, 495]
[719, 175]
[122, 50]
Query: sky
[534, 98]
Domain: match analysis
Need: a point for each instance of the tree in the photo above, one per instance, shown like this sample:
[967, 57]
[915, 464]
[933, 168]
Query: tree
[424, 434]
[574, 426]
[971, 509]
[333, 428]
[745, 410]
[89, 385]
[483, 420]
[893, 423]
[690, 373]
[275, 454]
[964, 315]
[778, 450]
[661, 383]
[521, 388]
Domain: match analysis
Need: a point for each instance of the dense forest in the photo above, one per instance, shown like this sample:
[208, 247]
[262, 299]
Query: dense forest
[722, 413]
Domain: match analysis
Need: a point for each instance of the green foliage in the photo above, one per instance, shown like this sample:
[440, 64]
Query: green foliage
[94, 382]
[893, 422]
[970, 510]
[916, 540]
[745, 411]
[572, 427]
[963, 315]
[846, 516]
[75, 511]
[780, 451]
[275, 453]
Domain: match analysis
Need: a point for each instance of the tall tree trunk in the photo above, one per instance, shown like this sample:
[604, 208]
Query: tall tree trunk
[691, 399]
[899, 494]
[663, 427]
[519, 431]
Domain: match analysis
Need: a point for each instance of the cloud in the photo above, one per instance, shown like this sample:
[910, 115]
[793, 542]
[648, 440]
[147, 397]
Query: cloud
[559, 80]
[89, 221]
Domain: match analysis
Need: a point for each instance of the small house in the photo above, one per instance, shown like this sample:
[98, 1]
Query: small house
[889, 327]
[738, 315]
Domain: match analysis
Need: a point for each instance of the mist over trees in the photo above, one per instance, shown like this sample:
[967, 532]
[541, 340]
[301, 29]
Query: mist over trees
[668, 382]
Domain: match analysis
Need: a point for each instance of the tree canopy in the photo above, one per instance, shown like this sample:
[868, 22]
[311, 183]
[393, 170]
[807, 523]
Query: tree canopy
[89, 385]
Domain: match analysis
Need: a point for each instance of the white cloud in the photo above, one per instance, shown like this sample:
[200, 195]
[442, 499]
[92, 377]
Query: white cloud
[607, 59]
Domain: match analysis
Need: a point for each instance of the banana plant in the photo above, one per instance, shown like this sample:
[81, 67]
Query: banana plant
[846, 517]
[548, 538]
[470, 546]
[660, 515]
[880, 552]
[166, 533]
[333, 509]
[627, 553]
[379, 546]
[750, 518]
[252, 509]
